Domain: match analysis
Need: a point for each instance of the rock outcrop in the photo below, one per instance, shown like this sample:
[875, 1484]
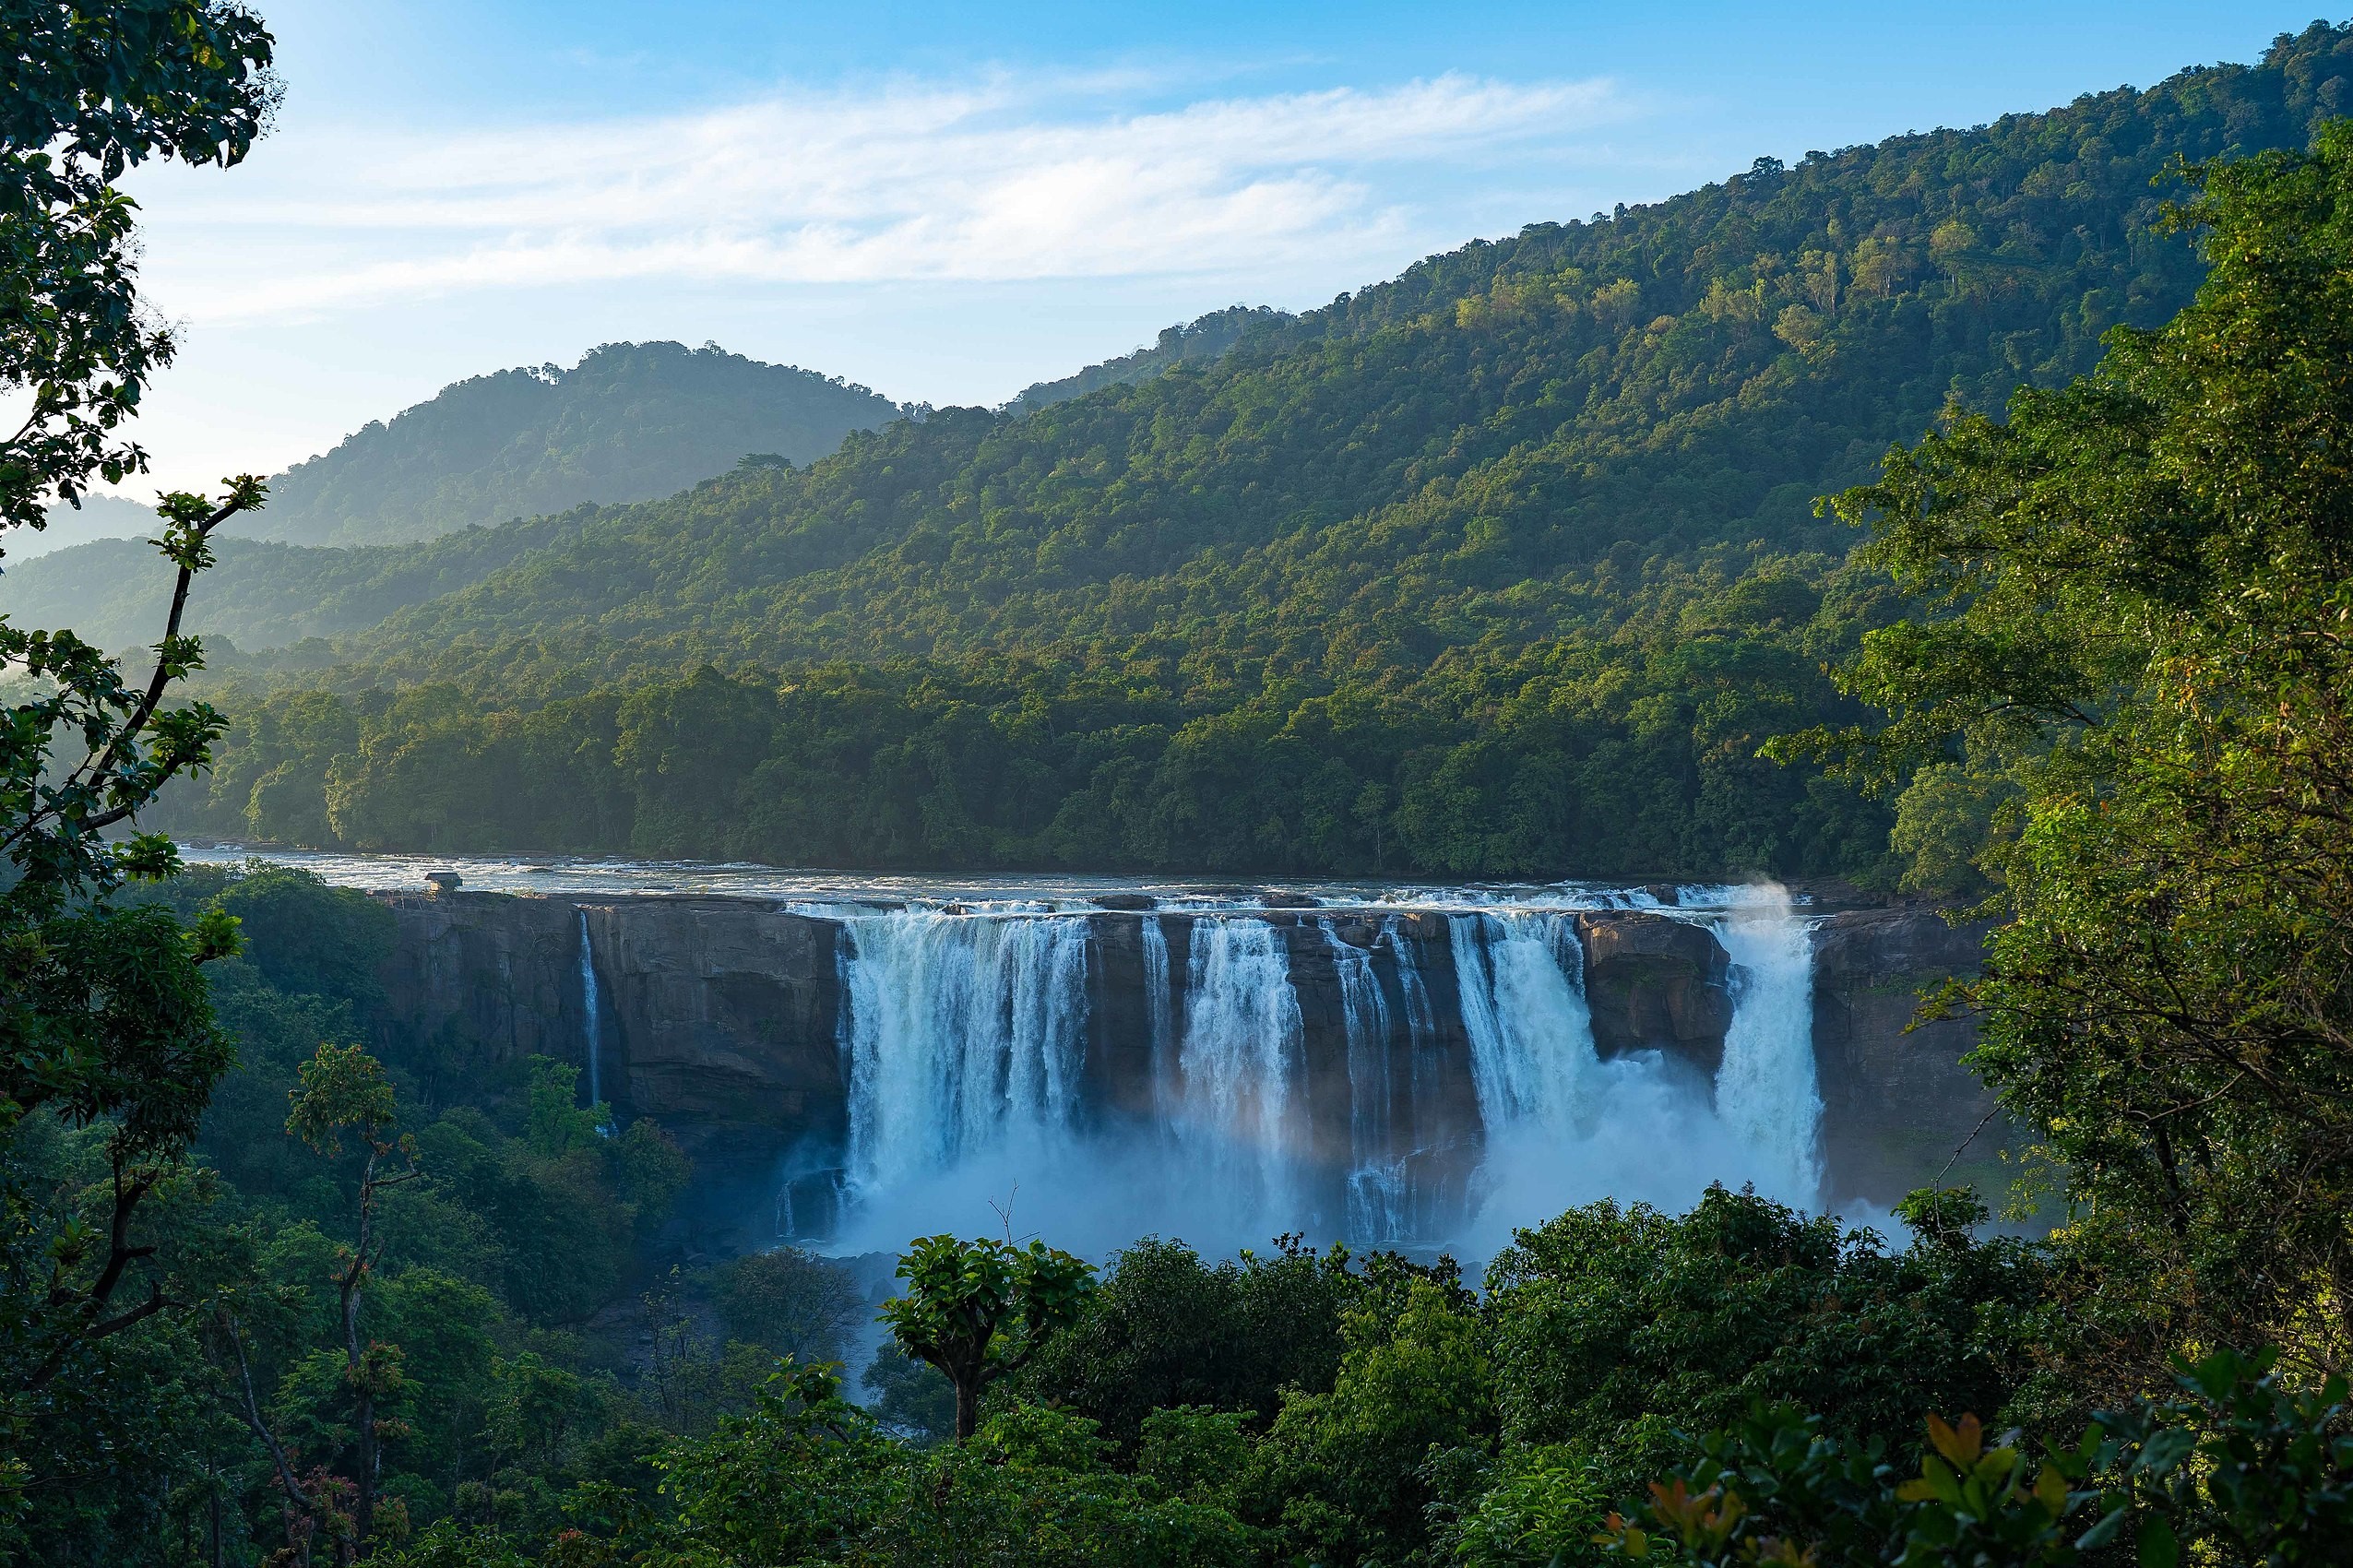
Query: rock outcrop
[1897, 1104]
[1656, 984]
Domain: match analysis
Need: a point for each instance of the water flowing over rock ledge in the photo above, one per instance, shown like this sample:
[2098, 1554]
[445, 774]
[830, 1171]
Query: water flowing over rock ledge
[1380, 1073]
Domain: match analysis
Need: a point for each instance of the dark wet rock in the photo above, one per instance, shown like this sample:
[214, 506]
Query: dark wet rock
[1866, 946]
[1654, 982]
[1127, 903]
[1897, 1102]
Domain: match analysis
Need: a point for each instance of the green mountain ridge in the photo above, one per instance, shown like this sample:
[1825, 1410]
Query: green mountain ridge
[1210, 336]
[1504, 568]
[629, 422]
[101, 578]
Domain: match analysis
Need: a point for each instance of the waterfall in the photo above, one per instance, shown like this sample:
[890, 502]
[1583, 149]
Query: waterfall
[965, 1035]
[589, 1011]
[1376, 1176]
[966, 1039]
[1531, 1035]
[1242, 1031]
[1765, 1092]
[1422, 1020]
[1159, 1022]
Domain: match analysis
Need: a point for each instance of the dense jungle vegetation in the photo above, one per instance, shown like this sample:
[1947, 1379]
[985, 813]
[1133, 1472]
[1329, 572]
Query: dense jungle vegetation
[1504, 568]
[280, 1283]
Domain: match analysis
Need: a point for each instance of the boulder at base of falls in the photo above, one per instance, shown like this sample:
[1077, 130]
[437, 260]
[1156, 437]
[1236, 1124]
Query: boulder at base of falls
[1656, 984]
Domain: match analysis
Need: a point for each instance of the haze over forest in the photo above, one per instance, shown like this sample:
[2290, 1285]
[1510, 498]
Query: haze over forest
[1504, 568]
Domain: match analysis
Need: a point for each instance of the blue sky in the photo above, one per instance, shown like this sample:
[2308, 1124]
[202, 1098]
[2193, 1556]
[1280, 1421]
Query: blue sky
[948, 202]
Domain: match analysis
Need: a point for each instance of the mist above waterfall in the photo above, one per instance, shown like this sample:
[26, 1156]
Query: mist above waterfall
[1423, 1078]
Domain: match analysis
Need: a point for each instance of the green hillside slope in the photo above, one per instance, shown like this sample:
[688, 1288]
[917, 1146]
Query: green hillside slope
[1504, 568]
[1211, 337]
[629, 422]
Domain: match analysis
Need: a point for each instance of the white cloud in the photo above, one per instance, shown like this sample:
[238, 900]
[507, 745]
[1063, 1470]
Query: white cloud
[990, 180]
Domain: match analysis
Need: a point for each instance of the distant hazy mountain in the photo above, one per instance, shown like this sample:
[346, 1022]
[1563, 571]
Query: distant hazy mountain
[100, 517]
[262, 594]
[629, 422]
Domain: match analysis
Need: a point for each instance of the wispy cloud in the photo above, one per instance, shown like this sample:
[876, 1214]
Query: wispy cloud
[990, 179]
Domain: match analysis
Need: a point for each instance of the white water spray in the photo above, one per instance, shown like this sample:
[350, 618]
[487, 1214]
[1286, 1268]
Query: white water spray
[964, 1037]
[1242, 1028]
[1765, 1092]
[1159, 1020]
[1377, 1195]
[1422, 1020]
[1531, 1034]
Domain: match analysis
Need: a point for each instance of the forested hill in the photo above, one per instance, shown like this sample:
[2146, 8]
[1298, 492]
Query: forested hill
[1207, 337]
[1503, 567]
[631, 420]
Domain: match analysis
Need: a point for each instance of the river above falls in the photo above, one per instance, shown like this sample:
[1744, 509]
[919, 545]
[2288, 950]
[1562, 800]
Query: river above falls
[1042, 893]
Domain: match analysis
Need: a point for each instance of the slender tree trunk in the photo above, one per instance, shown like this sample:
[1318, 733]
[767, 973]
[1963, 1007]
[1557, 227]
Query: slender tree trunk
[354, 1280]
[968, 1409]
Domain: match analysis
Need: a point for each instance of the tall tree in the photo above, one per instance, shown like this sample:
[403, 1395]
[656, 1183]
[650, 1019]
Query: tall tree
[104, 1018]
[2134, 676]
[978, 1310]
[345, 1092]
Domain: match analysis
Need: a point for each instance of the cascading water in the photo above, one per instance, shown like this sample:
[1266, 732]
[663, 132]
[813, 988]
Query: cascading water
[1531, 1035]
[983, 1050]
[1242, 1028]
[1765, 1092]
[1377, 1196]
[1421, 1019]
[985, 1056]
[1159, 1021]
[591, 1025]
[964, 1034]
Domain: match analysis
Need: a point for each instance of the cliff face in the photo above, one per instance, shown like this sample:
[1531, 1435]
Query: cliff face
[1897, 1103]
[724, 1020]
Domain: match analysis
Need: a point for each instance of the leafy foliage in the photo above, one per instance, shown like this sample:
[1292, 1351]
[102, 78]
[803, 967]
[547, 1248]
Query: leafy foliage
[94, 91]
[978, 1310]
[109, 1048]
[1169, 1328]
[2132, 688]
[1616, 1327]
[2242, 1470]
